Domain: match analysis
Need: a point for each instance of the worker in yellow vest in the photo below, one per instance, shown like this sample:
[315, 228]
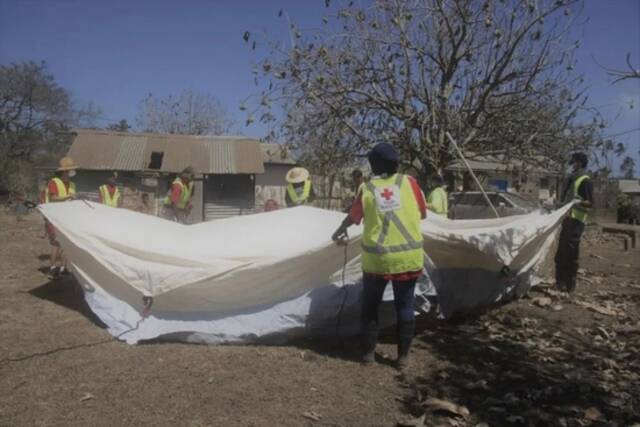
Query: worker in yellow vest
[177, 202]
[109, 194]
[578, 189]
[438, 200]
[59, 189]
[391, 206]
[299, 189]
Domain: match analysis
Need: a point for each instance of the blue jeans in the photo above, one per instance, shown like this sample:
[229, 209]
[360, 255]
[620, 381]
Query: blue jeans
[403, 298]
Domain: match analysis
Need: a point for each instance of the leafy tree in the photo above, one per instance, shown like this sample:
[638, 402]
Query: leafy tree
[189, 113]
[496, 74]
[627, 167]
[32, 108]
[34, 113]
[121, 126]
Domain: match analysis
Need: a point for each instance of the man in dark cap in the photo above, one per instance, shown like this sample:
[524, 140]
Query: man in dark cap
[391, 205]
[578, 188]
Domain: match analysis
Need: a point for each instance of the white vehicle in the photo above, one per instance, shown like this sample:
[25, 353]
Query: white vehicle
[473, 205]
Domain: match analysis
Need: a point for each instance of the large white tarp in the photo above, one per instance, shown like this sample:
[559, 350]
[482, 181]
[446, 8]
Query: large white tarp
[276, 275]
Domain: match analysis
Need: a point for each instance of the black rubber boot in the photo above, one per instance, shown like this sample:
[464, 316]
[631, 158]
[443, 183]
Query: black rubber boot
[369, 339]
[406, 331]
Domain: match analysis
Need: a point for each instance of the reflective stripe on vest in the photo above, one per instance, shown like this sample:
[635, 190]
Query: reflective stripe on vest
[300, 194]
[61, 189]
[107, 198]
[578, 212]
[438, 202]
[392, 240]
[185, 194]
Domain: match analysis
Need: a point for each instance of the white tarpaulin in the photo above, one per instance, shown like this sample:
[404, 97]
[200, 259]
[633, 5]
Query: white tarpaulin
[277, 274]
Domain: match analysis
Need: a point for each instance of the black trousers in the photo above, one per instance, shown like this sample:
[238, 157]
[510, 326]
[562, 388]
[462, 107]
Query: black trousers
[568, 254]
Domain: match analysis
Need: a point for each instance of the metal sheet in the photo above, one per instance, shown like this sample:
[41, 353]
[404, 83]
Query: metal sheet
[130, 157]
[104, 150]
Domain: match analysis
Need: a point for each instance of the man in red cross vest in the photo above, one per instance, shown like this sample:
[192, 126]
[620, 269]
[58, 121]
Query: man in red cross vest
[391, 206]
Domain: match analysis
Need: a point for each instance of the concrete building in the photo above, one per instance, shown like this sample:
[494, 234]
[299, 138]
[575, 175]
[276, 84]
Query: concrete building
[532, 180]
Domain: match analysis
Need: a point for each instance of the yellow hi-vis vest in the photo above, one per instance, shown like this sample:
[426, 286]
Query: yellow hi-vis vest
[299, 195]
[62, 189]
[578, 212]
[438, 202]
[392, 238]
[185, 194]
[107, 198]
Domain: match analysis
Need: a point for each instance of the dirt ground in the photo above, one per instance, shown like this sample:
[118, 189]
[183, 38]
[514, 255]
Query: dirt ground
[543, 360]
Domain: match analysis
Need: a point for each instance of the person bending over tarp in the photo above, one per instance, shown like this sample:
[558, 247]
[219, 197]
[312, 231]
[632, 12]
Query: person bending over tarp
[177, 202]
[299, 189]
[109, 194]
[59, 189]
[391, 205]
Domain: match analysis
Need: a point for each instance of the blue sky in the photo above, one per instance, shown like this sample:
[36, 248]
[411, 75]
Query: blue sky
[114, 52]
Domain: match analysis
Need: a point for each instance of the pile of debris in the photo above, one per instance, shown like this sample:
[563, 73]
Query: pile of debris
[549, 359]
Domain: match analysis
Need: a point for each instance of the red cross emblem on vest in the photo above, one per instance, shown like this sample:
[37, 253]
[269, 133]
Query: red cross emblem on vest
[387, 194]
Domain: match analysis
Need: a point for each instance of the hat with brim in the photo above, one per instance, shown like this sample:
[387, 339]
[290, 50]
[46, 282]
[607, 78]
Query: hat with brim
[66, 164]
[297, 175]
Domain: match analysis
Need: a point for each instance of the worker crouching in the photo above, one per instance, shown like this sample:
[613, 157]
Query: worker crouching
[391, 206]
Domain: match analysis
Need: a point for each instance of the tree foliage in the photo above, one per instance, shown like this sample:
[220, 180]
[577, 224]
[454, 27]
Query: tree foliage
[34, 110]
[497, 74]
[188, 113]
[121, 126]
[627, 167]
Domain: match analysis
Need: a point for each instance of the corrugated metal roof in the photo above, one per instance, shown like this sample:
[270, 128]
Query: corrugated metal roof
[277, 154]
[105, 150]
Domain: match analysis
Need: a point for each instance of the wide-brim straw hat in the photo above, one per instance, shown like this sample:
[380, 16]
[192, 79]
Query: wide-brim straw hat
[66, 164]
[297, 175]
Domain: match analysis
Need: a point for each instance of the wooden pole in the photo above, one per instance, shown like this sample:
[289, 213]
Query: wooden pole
[473, 175]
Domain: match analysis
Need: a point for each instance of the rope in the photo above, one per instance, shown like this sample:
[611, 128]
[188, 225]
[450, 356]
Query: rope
[345, 289]
[77, 346]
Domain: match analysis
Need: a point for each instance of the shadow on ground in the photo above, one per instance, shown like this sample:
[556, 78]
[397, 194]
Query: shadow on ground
[67, 293]
[521, 378]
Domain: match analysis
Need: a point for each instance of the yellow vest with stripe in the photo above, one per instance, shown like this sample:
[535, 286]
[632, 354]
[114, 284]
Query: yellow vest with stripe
[578, 212]
[438, 202]
[185, 194]
[62, 189]
[299, 195]
[392, 239]
[107, 198]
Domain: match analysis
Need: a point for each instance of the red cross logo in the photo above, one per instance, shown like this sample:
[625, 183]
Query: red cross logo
[387, 194]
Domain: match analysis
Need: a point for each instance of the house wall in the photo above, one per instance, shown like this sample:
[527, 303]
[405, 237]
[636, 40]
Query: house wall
[228, 195]
[534, 186]
[271, 185]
